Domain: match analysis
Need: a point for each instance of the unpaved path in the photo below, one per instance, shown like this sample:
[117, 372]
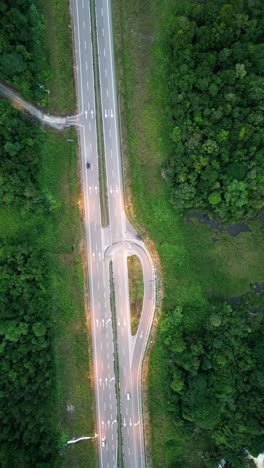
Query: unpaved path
[59, 123]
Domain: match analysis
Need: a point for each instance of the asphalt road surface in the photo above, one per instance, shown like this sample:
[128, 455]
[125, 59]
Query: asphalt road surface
[113, 243]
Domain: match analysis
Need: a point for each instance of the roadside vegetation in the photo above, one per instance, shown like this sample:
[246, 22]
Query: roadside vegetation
[206, 348]
[136, 290]
[46, 394]
[60, 80]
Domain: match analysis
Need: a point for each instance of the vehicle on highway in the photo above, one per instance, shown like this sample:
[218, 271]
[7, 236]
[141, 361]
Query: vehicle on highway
[128, 396]
[103, 442]
[88, 165]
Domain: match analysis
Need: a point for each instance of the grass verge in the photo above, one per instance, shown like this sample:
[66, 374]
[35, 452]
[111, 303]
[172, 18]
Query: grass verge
[61, 98]
[136, 290]
[193, 265]
[62, 239]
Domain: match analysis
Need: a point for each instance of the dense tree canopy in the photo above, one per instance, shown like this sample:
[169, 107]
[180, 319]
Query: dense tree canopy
[22, 60]
[217, 360]
[215, 63]
[19, 159]
[26, 378]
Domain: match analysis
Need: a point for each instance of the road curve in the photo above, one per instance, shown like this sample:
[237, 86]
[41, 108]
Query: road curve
[115, 242]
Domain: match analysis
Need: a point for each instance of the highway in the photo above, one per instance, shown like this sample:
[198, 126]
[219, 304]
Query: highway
[112, 243]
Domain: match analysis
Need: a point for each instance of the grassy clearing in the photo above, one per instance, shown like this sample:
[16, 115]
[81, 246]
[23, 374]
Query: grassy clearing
[193, 265]
[62, 240]
[136, 290]
[58, 39]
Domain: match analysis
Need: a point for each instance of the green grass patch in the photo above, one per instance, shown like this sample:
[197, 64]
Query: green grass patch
[193, 265]
[99, 123]
[11, 223]
[120, 461]
[61, 98]
[136, 290]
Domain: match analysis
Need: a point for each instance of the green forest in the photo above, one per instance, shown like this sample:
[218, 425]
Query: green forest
[23, 63]
[216, 364]
[214, 62]
[26, 370]
[27, 367]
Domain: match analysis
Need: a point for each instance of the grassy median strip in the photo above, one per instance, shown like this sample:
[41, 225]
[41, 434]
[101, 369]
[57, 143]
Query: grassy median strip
[194, 266]
[99, 123]
[120, 460]
[136, 290]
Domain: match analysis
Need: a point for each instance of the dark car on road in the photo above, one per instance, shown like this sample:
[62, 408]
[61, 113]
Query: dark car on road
[88, 165]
